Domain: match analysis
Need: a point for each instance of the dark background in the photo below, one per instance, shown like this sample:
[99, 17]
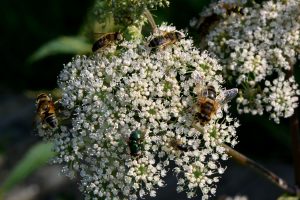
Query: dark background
[26, 26]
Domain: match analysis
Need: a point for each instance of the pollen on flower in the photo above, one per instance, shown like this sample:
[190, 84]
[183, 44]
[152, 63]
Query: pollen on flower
[133, 110]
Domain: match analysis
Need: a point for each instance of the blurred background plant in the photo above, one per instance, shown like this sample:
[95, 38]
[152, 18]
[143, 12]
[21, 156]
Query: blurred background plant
[37, 38]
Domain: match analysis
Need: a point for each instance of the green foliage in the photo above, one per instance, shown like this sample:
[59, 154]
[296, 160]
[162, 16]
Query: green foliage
[26, 25]
[124, 13]
[287, 197]
[36, 157]
[62, 45]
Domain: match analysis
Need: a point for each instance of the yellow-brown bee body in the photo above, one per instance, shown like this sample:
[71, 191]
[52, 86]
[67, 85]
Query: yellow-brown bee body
[207, 105]
[165, 39]
[208, 102]
[106, 40]
[46, 110]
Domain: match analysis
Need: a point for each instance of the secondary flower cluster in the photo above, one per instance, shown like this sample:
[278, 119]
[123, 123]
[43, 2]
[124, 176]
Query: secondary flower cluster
[125, 12]
[223, 7]
[258, 46]
[131, 113]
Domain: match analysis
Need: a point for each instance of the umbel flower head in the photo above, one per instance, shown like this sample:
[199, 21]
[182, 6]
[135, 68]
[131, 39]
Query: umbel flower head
[131, 112]
[258, 46]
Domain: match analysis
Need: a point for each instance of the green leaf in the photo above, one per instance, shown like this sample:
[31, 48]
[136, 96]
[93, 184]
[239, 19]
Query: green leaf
[286, 197]
[61, 45]
[36, 157]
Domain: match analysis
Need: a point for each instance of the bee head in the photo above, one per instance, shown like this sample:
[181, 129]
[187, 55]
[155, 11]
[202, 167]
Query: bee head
[43, 97]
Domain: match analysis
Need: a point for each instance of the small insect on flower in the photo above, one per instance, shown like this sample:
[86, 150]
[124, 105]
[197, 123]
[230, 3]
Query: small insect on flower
[46, 110]
[208, 102]
[166, 39]
[178, 145]
[134, 143]
[106, 40]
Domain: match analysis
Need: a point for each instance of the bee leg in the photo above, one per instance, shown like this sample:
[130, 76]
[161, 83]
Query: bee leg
[164, 46]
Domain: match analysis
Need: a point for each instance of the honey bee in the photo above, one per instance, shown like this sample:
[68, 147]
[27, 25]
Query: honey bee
[165, 39]
[208, 102]
[46, 110]
[106, 40]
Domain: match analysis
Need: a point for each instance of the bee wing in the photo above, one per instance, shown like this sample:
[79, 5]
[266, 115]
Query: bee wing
[199, 80]
[197, 76]
[227, 96]
[98, 34]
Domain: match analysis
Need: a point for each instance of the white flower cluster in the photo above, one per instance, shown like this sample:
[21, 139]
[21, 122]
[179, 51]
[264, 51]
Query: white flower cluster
[215, 12]
[280, 97]
[222, 7]
[133, 89]
[258, 45]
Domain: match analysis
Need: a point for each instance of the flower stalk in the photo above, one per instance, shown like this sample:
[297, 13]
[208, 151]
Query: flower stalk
[295, 136]
[294, 127]
[243, 160]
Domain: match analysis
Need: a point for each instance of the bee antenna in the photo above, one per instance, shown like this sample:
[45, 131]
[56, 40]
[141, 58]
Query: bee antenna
[150, 20]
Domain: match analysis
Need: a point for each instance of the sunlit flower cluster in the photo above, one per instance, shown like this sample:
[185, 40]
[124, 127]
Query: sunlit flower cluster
[128, 88]
[258, 46]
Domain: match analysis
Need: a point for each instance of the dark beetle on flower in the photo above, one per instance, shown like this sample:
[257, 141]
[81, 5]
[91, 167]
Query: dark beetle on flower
[134, 143]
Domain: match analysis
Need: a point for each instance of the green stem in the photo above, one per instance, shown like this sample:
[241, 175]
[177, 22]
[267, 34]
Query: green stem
[243, 160]
[294, 127]
[295, 136]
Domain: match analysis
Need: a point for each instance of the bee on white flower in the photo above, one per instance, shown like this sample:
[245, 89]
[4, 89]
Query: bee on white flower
[127, 104]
